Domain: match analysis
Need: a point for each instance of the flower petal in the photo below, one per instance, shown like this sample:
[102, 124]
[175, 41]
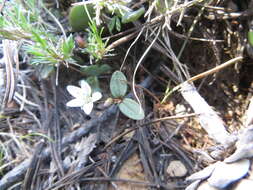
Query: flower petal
[87, 108]
[96, 96]
[75, 103]
[75, 91]
[85, 87]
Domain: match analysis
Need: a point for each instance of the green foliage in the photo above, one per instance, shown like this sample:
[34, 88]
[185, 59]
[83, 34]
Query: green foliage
[96, 47]
[79, 18]
[20, 20]
[163, 5]
[118, 8]
[250, 37]
[133, 15]
[131, 109]
[50, 50]
[1, 158]
[118, 84]
[94, 83]
[114, 24]
[66, 47]
[23, 21]
[96, 70]
[82, 17]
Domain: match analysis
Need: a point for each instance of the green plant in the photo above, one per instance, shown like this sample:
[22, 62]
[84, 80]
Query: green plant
[118, 84]
[114, 24]
[79, 17]
[132, 16]
[250, 37]
[96, 47]
[17, 21]
[50, 50]
[1, 158]
[83, 16]
[129, 107]
[120, 10]
[23, 22]
[96, 70]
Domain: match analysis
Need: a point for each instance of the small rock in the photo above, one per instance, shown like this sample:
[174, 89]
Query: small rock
[176, 169]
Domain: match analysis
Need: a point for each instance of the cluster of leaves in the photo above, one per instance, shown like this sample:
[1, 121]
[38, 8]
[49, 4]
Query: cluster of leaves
[87, 16]
[96, 47]
[23, 21]
[48, 50]
[89, 93]
[114, 24]
[122, 14]
[16, 20]
[128, 106]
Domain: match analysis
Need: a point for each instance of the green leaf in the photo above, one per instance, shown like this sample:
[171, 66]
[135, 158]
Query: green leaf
[133, 16]
[94, 83]
[78, 17]
[38, 39]
[114, 24]
[131, 109]
[96, 46]
[121, 10]
[250, 37]
[118, 24]
[163, 5]
[96, 70]
[118, 84]
[111, 24]
[68, 46]
[35, 52]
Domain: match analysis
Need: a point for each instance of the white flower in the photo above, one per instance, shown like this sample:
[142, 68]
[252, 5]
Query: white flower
[84, 98]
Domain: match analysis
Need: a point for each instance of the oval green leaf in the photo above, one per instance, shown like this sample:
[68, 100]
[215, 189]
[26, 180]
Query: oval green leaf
[250, 37]
[131, 109]
[118, 84]
[78, 17]
[96, 70]
[132, 16]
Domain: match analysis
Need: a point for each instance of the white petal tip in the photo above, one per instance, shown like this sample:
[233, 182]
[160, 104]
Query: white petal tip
[87, 108]
[96, 96]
